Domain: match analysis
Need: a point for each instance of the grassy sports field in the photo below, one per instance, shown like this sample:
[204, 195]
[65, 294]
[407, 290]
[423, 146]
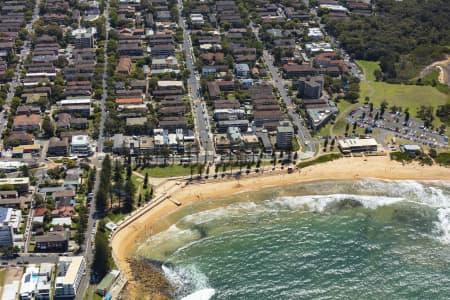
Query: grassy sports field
[406, 96]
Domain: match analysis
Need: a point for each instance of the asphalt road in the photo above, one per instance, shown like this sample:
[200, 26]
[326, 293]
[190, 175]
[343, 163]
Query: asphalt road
[15, 82]
[30, 259]
[199, 107]
[87, 249]
[302, 133]
[413, 131]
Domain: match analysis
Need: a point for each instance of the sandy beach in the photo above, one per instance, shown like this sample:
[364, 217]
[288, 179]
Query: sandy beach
[128, 237]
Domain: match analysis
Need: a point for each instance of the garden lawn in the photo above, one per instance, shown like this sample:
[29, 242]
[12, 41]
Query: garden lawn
[116, 217]
[2, 276]
[406, 96]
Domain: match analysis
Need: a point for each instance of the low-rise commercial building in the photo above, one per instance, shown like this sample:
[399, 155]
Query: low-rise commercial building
[411, 148]
[318, 117]
[350, 145]
[20, 184]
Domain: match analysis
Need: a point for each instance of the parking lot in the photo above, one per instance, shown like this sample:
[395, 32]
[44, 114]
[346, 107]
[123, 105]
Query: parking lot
[412, 130]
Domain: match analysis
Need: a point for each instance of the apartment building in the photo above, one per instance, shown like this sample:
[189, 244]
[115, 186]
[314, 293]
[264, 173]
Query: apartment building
[69, 275]
[285, 134]
[80, 145]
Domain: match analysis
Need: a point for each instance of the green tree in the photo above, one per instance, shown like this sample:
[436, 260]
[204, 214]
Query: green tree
[47, 126]
[24, 170]
[146, 181]
[9, 251]
[102, 255]
[147, 196]
[384, 105]
[80, 234]
[129, 191]
[91, 179]
[432, 153]
[101, 199]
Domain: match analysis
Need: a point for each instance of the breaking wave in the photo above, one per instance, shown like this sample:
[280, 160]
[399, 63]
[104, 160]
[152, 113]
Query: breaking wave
[190, 283]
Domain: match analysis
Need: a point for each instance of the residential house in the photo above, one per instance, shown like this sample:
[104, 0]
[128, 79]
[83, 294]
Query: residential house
[27, 122]
[57, 147]
[242, 70]
[20, 138]
[52, 241]
[125, 65]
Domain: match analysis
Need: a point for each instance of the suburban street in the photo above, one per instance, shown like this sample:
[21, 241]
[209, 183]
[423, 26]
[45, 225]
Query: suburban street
[96, 161]
[303, 134]
[15, 82]
[31, 259]
[199, 108]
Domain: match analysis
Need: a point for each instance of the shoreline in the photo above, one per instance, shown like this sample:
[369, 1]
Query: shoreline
[134, 231]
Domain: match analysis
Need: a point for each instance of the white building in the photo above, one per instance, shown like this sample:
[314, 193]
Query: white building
[173, 141]
[197, 19]
[170, 84]
[68, 278]
[10, 166]
[65, 221]
[28, 284]
[84, 37]
[80, 145]
[9, 223]
[315, 34]
[164, 65]
[76, 101]
[348, 145]
[43, 288]
[334, 8]
[318, 47]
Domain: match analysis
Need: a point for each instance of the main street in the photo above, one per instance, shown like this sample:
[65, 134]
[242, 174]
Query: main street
[302, 133]
[199, 108]
[96, 161]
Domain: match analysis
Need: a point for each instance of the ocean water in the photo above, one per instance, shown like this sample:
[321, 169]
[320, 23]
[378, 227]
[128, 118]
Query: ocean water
[366, 239]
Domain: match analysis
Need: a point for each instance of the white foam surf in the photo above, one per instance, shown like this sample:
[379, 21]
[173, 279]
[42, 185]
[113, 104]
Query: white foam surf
[204, 294]
[371, 194]
[189, 281]
[319, 203]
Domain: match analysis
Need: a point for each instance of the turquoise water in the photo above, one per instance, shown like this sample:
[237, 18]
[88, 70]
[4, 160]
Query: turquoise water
[347, 240]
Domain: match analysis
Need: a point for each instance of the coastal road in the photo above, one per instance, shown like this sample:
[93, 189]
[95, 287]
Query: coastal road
[302, 133]
[199, 107]
[89, 240]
